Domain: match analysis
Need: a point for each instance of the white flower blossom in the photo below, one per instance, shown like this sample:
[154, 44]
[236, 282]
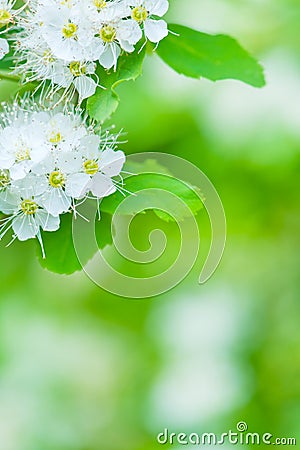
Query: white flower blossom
[21, 148]
[66, 31]
[76, 74]
[26, 215]
[94, 168]
[115, 33]
[143, 13]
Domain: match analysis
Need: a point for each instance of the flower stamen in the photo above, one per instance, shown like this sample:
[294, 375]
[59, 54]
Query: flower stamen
[68, 3]
[100, 4]
[91, 167]
[4, 179]
[29, 207]
[139, 14]
[55, 138]
[22, 155]
[77, 69]
[48, 57]
[57, 179]
[108, 33]
[5, 17]
[70, 30]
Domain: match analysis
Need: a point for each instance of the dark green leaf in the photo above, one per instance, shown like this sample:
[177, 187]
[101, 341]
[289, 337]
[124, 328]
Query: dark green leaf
[218, 57]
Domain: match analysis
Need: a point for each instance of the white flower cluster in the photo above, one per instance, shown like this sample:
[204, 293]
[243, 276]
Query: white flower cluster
[52, 159]
[63, 40]
[49, 160]
[7, 18]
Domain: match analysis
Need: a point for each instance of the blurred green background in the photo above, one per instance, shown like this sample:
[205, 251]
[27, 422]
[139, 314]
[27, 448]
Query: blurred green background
[83, 370]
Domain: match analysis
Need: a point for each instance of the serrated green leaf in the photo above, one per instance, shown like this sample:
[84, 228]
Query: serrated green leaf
[216, 57]
[105, 101]
[151, 181]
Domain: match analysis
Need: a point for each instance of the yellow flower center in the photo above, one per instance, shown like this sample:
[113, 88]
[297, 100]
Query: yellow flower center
[69, 30]
[5, 17]
[4, 179]
[48, 57]
[139, 14]
[100, 4]
[29, 207]
[22, 155]
[108, 33]
[77, 69]
[57, 179]
[68, 3]
[91, 167]
[55, 138]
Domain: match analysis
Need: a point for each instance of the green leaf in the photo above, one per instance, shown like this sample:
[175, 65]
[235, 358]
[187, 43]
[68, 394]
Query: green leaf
[59, 248]
[151, 181]
[6, 63]
[11, 85]
[147, 166]
[105, 101]
[218, 57]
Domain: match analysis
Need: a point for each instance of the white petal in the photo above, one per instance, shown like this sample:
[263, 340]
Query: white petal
[94, 50]
[129, 48]
[55, 201]
[114, 11]
[111, 162]
[77, 185]
[155, 30]
[39, 153]
[61, 75]
[45, 166]
[40, 117]
[102, 186]
[20, 170]
[69, 162]
[129, 31]
[91, 67]
[109, 57]
[46, 221]
[158, 7]
[4, 48]
[9, 202]
[31, 186]
[25, 227]
[65, 49]
[89, 146]
[7, 159]
[85, 86]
